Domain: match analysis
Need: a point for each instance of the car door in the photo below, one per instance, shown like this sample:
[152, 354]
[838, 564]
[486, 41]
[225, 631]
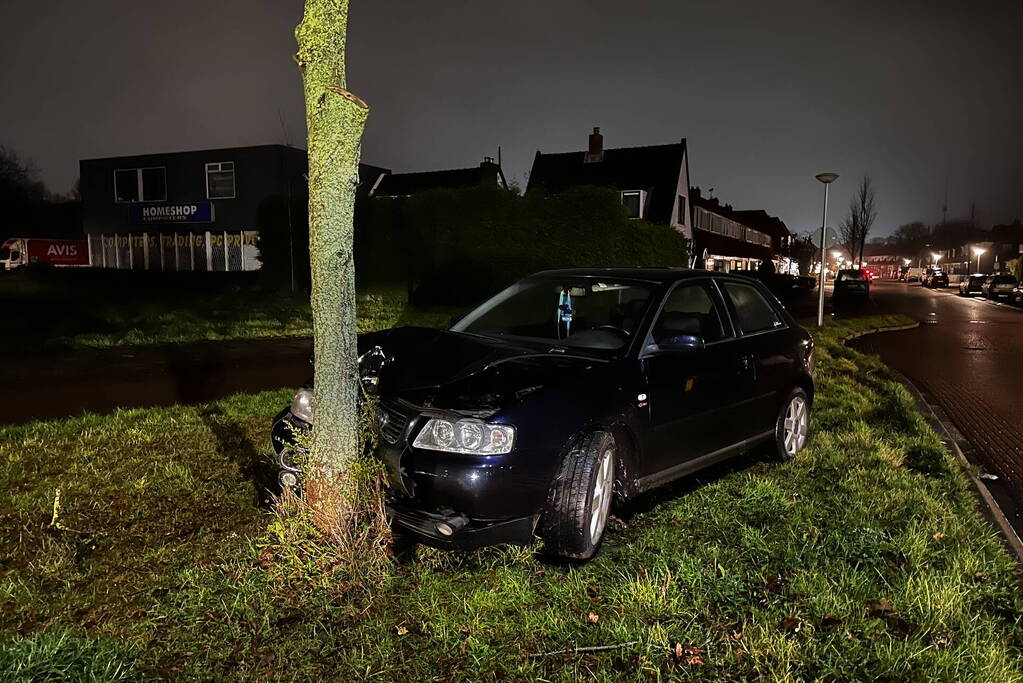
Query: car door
[690, 391]
[764, 343]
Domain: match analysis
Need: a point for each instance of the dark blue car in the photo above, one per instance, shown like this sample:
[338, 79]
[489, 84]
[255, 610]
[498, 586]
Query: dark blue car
[569, 390]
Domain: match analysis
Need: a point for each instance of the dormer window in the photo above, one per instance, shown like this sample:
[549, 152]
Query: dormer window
[634, 201]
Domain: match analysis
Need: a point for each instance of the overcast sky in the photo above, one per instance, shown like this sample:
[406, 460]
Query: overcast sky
[917, 94]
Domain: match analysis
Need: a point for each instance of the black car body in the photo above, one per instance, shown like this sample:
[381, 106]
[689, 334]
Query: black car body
[852, 284]
[938, 279]
[998, 286]
[972, 284]
[1016, 298]
[677, 369]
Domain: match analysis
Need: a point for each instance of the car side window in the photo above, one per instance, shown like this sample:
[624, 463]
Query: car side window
[690, 309]
[753, 313]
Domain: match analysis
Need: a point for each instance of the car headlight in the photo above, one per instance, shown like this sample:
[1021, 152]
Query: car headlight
[465, 436]
[302, 405]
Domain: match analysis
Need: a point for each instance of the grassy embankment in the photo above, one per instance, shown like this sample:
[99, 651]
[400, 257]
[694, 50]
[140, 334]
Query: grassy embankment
[865, 558]
[54, 310]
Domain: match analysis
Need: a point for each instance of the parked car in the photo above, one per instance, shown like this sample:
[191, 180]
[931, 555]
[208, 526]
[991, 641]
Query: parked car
[783, 285]
[1016, 298]
[972, 284]
[998, 286]
[571, 389]
[851, 284]
[938, 279]
[914, 275]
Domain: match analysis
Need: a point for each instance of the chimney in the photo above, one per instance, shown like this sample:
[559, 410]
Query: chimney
[489, 173]
[596, 150]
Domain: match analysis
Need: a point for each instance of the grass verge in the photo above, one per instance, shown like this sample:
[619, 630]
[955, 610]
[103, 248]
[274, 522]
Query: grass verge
[108, 309]
[865, 558]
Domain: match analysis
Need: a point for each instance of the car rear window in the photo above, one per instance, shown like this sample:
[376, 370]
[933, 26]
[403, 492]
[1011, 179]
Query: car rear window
[850, 275]
[1004, 280]
[752, 311]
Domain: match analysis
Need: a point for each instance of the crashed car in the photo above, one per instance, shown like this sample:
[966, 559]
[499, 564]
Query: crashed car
[567, 391]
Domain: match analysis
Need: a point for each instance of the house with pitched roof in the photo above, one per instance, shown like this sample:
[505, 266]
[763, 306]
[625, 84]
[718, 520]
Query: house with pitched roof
[654, 186]
[653, 181]
[488, 173]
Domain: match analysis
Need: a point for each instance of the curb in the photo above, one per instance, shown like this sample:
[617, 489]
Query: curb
[945, 431]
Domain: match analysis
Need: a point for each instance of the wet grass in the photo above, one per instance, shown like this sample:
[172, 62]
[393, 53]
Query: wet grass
[865, 558]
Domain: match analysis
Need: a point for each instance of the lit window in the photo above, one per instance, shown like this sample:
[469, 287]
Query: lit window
[220, 180]
[140, 184]
[633, 201]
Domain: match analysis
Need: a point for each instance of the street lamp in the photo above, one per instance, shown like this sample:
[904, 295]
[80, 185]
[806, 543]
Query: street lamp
[978, 251]
[827, 179]
[937, 257]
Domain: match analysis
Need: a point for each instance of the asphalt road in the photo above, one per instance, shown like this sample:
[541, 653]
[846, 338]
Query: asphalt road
[967, 358]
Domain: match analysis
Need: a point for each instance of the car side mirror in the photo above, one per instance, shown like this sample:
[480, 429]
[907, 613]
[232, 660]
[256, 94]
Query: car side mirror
[680, 342]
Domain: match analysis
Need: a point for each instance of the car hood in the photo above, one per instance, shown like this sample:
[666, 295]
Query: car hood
[463, 373]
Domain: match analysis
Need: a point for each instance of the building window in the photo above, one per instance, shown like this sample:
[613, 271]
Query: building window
[220, 180]
[633, 201]
[140, 184]
[681, 210]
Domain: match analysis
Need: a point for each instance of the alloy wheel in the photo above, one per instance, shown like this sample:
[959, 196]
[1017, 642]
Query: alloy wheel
[796, 425]
[603, 488]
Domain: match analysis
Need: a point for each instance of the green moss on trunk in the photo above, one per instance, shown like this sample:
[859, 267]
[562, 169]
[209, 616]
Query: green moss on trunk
[335, 120]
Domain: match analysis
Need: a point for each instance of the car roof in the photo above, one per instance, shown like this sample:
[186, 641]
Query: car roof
[655, 275]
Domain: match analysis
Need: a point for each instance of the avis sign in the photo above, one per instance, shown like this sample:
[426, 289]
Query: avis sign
[193, 212]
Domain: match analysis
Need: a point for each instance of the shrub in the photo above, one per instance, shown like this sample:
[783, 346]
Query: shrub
[459, 246]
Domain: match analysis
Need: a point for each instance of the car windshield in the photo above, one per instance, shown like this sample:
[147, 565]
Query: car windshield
[581, 312]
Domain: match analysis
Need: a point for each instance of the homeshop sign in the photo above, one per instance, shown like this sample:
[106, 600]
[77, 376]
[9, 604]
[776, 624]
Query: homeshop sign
[197, 212]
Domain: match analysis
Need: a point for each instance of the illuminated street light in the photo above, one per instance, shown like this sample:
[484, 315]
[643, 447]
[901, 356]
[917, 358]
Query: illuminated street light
[827, 179]
[907, 261]
[978, 251]
[936, 255]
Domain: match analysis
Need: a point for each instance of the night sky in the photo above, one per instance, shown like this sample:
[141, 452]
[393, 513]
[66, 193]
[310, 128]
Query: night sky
[917, 94]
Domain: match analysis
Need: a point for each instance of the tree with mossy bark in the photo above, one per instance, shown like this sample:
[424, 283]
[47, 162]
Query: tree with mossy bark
[335, 119]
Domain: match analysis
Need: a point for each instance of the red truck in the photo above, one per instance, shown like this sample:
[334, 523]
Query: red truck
[22, 251]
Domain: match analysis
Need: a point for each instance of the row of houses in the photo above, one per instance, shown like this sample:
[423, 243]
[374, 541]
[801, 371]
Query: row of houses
[201, 197]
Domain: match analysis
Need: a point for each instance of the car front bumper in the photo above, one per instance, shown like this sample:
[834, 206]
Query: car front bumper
[475, 534]
[500, 497]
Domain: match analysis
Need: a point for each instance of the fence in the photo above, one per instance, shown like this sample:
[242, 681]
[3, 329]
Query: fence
[179, 251]
[712, 222]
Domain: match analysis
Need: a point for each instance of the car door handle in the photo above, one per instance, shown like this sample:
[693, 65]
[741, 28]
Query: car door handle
[746, 362]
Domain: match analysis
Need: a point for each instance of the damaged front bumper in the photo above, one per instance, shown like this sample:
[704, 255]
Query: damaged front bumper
[431, 493]
[427, 528]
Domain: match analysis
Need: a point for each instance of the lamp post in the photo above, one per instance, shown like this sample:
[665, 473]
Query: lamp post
[827, 179]
[978, 251]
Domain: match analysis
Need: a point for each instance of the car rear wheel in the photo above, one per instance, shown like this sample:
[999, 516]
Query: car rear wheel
[793, 425]
[580, 501]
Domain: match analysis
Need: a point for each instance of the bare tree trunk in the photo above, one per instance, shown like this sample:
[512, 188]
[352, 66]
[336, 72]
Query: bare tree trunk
[335, 119]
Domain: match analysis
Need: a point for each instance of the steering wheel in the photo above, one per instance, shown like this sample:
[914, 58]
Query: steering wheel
[624, 334]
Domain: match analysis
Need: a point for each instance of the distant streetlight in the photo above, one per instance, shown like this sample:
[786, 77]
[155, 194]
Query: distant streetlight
[907, 261]
[827, 179]
[937, 257]
[978, 251]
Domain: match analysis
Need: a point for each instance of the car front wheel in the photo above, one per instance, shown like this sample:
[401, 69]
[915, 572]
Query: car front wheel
[580, 501]
[792, 426]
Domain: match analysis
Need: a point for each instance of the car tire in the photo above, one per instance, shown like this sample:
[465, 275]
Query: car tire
[580, 499]
[791, 428]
